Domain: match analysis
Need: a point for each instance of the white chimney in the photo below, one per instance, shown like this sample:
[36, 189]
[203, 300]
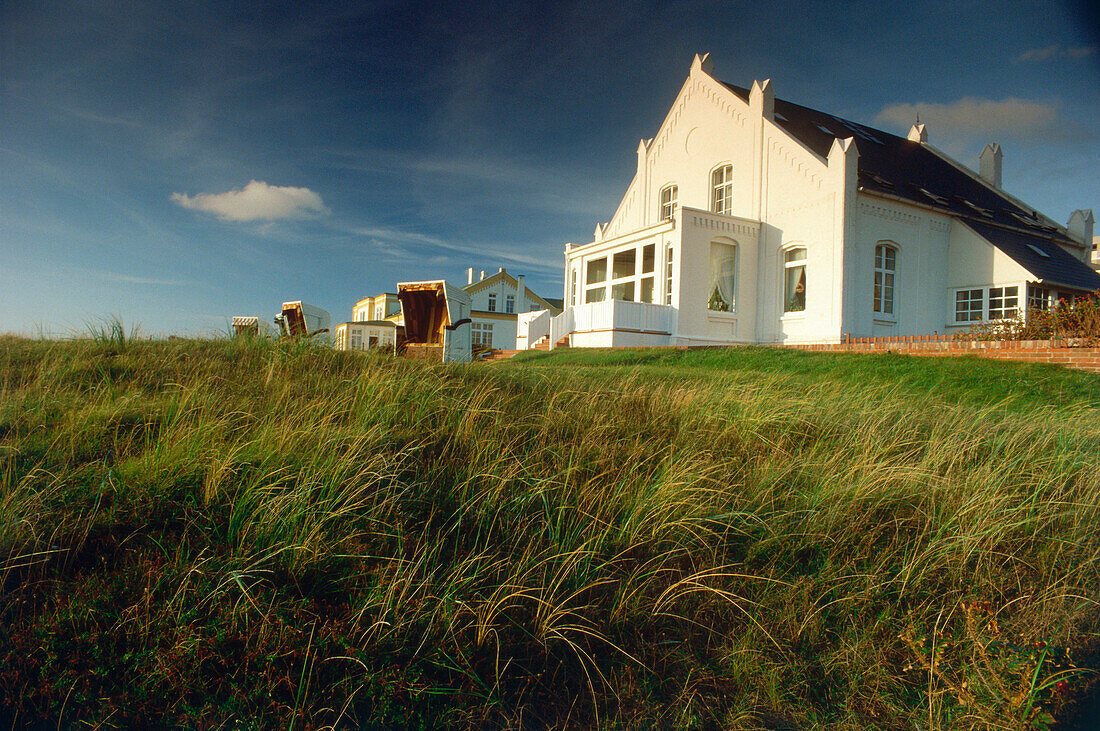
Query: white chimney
[482, 275]
[1081, 226]
[990, 164]
[469, 275]
[521, 293]
[918, 133]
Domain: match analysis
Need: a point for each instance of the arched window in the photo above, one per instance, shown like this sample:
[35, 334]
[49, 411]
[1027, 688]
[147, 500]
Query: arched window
[723, 276]
[721, 190]
[794, 279]
[668, 202]
[886, 259]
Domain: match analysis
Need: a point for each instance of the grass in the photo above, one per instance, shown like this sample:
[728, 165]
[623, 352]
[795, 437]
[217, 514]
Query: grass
[275, 535]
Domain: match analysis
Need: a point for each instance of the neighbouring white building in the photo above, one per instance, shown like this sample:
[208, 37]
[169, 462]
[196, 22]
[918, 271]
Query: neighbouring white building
[496, 303]
[384, 306]
[755, 220]
[366, 335]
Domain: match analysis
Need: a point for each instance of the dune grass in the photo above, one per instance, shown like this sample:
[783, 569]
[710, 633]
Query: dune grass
[276, 535]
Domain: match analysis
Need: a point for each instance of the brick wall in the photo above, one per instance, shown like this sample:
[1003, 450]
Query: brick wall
[1072, 354]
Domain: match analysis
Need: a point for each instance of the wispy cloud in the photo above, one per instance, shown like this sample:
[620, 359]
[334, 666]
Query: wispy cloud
[127, 279]
[1055, 51]
[257, 201]
[406, 244]
[973, 117]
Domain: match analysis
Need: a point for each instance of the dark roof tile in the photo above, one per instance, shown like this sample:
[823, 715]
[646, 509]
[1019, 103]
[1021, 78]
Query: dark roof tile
[910, 170]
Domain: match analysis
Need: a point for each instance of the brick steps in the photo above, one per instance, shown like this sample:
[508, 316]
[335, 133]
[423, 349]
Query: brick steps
[498, 355]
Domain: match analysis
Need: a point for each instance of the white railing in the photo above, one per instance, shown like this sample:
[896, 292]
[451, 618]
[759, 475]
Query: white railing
[720, 223]
[530, 326]
[612, 315]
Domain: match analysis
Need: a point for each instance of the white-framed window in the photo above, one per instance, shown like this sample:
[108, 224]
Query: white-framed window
[595, 280]
[481, 334]
[379, 311]
[969, 304]
[649, 273]
[492, 302]
[1004, 302]
[356, 341]
[794, 279]
[509, 303]
[573, 287]
[1039, 298]
[721, 189]
[668, 275]
[628, 274]
[668, 201]
[886, 258]
[723, 277]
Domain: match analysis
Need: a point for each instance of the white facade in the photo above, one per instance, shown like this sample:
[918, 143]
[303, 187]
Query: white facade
[380, 307]
[496, 303]
[745, 224]
[366, 335]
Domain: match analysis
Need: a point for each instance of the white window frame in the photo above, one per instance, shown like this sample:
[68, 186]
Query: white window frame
[481, 334]
[668, 201]
[634, 279]
[492, 306]
[1004, 311]
[668, 274]
[970, 310]
[714, 284]
[510, 304]
[1041, 295]
[721, 189]
[601, 285]
[793, 264]
[884, 274]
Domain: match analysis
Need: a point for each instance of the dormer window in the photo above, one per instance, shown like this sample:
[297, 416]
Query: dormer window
[721, 190]
[668, 202]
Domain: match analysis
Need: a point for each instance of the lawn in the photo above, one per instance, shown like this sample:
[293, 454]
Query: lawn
[276, 535]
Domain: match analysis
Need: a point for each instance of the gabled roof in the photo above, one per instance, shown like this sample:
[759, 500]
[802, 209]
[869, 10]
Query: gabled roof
[915, 172]
[505, 276]
[1058, 266]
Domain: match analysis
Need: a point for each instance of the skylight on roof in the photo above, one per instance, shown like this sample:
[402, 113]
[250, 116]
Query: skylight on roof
[976, 208]
[1038, 251]
[779, 116]
[1022, 219]
[880, 180]
[826, 130]
[932, 196]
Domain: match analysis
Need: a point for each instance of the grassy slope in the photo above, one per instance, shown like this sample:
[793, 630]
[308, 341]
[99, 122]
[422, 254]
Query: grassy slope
[198, 532]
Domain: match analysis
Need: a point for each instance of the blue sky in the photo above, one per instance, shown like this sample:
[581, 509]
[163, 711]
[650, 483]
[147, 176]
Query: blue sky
[175, 164]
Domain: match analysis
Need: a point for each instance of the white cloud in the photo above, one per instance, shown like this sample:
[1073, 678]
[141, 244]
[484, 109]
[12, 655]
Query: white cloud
[1055, 51]
[127, 279]
[974, 117]
[257, 201]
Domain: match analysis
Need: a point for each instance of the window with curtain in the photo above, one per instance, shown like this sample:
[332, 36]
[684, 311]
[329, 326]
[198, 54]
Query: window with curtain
[723, 277]
[721, 190]
[794, 280]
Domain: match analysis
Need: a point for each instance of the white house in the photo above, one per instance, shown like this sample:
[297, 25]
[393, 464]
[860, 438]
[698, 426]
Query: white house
[384, 306]
[366, 335]
[755, 220]
[496, 303]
